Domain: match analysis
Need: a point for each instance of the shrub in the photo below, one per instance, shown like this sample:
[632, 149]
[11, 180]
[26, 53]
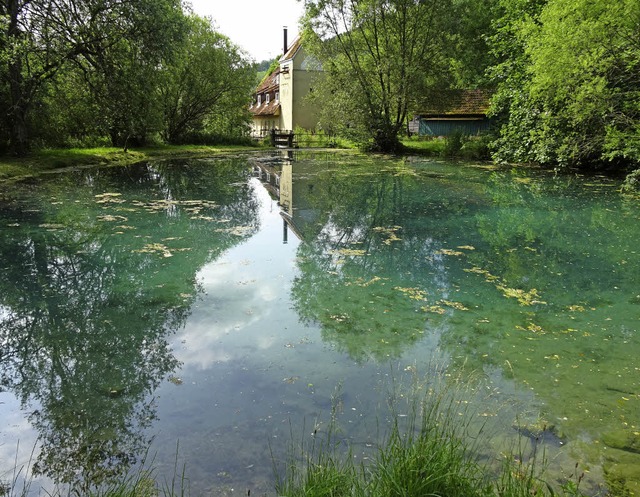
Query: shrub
[631, 183]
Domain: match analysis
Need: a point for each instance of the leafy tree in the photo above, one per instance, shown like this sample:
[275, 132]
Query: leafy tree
[380, 58]
[210, 78]
[513, 107]
[585, 62]
[124, 85]
[41, 38]
[70, 114]
[568, 82]
[471, 29]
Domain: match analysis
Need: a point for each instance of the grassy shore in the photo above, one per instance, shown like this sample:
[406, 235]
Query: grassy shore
[56, 159]
[48, 160]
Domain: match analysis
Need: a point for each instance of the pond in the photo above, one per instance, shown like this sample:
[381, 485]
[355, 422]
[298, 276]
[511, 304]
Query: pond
[200, 316]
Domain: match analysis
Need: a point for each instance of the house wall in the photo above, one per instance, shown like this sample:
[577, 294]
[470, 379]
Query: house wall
[446, 127]
[286, 94]
[260, 125]
[294, 88]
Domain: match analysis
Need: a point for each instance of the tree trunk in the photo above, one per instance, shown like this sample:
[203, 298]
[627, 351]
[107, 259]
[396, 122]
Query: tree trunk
[385, 140]
[19, 137]
[19, 103]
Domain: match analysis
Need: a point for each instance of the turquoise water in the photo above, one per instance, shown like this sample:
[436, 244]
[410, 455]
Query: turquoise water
[205, 313]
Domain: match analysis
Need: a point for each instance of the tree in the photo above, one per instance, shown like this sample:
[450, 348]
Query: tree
[380, 56]
[41, 38]
[585, 62]
[210, 78]
[471, 28]
[568, 82]
[517, 115]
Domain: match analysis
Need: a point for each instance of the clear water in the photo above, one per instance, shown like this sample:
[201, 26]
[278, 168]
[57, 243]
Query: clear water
[205, 313]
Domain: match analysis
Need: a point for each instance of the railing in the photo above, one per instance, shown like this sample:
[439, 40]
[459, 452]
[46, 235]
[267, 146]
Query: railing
[282, 138]
[290, 139]
[309, 139]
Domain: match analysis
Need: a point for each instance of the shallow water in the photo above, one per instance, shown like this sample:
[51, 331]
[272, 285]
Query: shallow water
[202, 314]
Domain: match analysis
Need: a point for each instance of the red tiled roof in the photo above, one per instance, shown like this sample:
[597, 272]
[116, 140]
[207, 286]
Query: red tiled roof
[270, 109]
[269, 83]
[458, 103]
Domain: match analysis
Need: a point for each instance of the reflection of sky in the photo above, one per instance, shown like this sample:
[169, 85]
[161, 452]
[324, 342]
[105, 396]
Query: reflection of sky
[17, 439]
[243, 291]
[17, 443]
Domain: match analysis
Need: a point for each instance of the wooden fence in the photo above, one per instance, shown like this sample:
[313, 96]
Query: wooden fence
[301, 139]
[282, 138]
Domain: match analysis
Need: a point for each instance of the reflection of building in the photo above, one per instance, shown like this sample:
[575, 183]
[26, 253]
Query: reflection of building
[277, 178]
[279, 101]
[279, 174]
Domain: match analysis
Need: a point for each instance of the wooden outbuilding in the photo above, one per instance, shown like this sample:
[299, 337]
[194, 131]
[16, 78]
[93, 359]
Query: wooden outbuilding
[454, 111]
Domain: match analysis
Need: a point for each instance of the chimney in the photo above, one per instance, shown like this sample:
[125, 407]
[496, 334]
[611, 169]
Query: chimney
[286, 46]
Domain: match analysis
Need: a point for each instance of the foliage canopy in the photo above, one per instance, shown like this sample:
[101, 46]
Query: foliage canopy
[75, 73]
[569, 82]
[380, 58]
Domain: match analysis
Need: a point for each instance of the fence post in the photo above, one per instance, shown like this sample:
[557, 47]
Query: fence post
[273, 137]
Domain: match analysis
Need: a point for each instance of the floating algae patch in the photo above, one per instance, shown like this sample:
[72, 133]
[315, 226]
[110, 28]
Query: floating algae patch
[389, 234]
[448, 252]
[154, 248]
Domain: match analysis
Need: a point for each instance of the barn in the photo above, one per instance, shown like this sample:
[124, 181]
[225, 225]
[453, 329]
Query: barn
[454, 112]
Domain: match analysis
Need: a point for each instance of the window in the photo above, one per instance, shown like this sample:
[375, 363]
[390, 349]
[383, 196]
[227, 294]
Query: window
[277, 96]
[267, 98]
[259, 99]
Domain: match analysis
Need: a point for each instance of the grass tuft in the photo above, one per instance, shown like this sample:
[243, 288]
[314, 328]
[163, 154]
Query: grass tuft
[431, 451]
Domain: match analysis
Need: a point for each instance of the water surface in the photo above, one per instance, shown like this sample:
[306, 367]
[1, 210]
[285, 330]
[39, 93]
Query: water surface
[206, 311]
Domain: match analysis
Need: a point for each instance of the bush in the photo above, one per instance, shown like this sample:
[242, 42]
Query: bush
[453, 144]
[631, 183]
[476, 148]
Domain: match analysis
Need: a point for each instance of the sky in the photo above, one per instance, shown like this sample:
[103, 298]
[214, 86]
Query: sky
[254, 25]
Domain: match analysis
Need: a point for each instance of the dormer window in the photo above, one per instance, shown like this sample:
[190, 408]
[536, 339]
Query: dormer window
[267, 98]
[259, 99]
[277, 96]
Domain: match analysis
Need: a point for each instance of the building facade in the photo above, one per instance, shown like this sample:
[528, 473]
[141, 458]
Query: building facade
[280, 100]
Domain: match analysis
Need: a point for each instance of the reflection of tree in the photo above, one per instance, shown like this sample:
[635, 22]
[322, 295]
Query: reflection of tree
[95, 279]
[370, 270]
[540, 226]
[574, 244]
